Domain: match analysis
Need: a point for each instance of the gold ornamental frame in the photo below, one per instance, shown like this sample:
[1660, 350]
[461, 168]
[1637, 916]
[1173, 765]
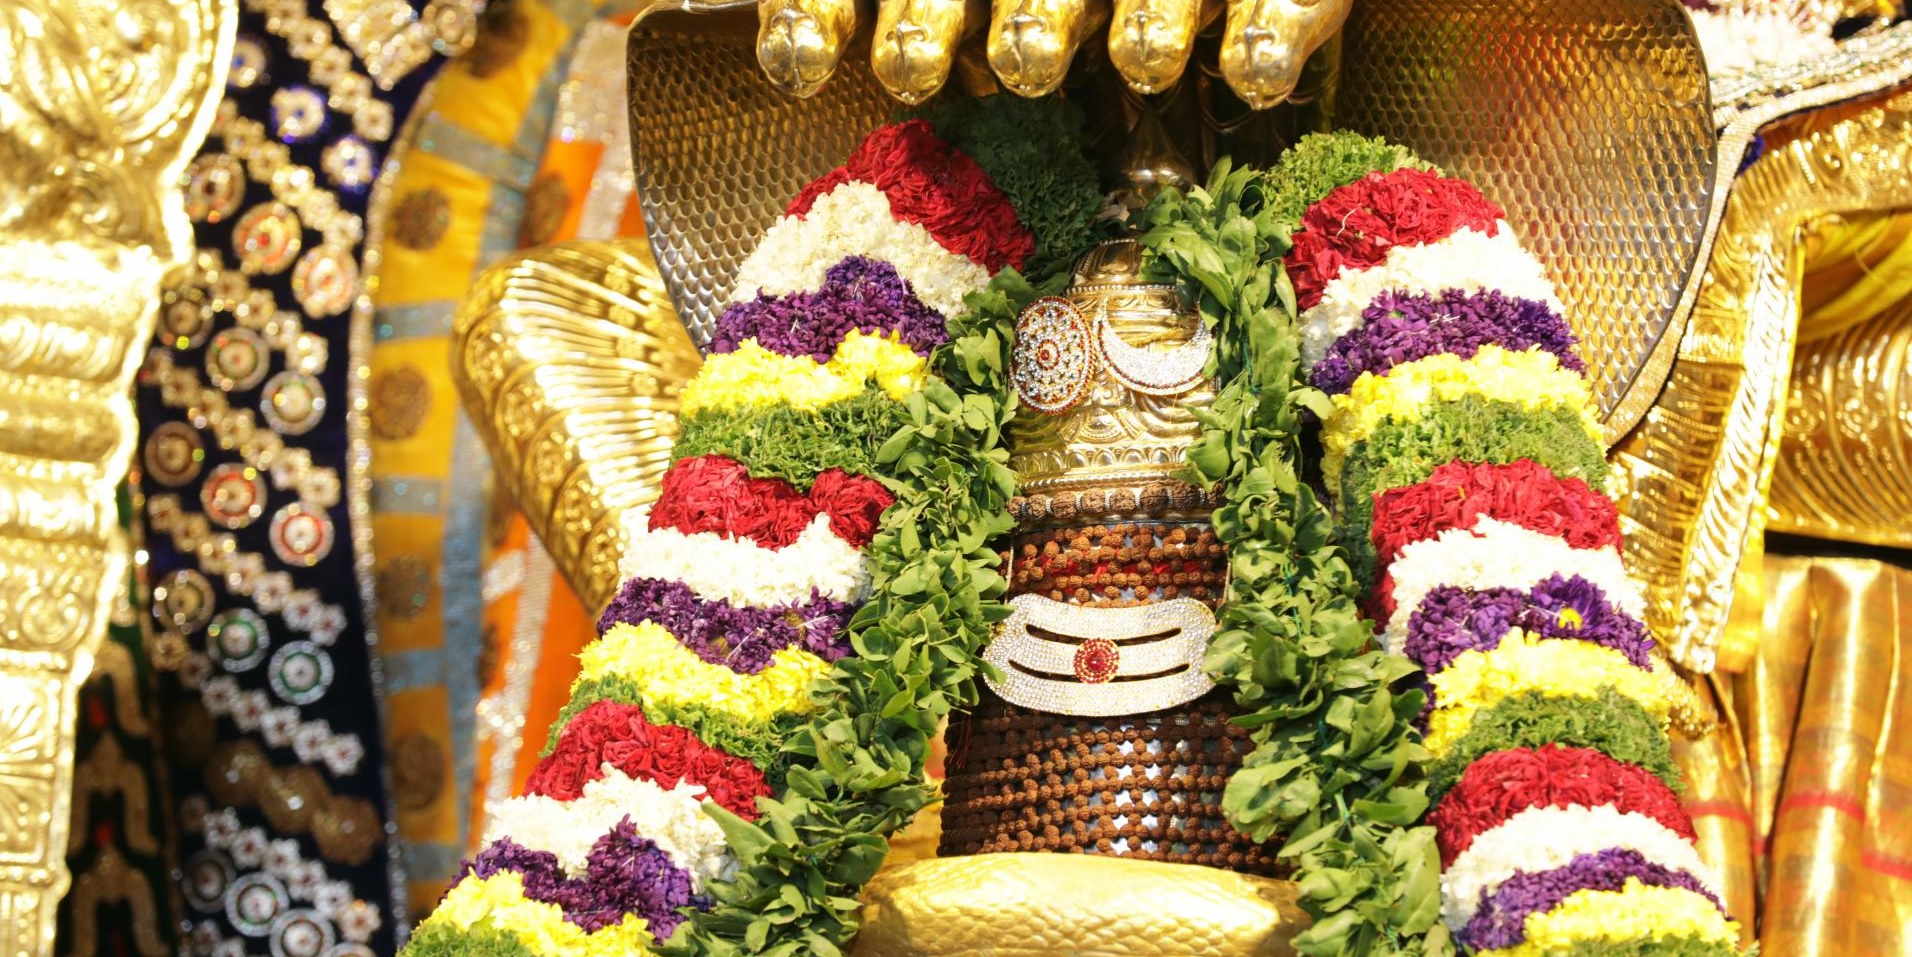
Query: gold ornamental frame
[101, 105]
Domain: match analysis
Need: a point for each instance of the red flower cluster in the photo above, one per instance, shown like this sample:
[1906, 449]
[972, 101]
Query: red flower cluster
[666, 755]
[1355, 226]
[1500, 785]
[711, 493]
[934, 185]
[1523, 493]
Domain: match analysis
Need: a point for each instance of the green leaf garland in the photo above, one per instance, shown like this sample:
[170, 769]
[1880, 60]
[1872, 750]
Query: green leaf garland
[936, 591]
[1335, 769]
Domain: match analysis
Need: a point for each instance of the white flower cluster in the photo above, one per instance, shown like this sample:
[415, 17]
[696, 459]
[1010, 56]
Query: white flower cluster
[674, 819]
[1469, 260]
[1736, 42]
[854, 219]
[745, 573]
[1497, 554]
[1544, 838]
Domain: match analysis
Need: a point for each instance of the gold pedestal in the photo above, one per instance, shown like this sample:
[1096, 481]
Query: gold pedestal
[1039, 905]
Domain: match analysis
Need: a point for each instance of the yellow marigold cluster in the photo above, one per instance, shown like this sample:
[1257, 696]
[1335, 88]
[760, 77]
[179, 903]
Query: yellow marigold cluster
[754, 377]
[670, 673]
[539, 926]
[1532, 379]
[1527, 662]
[1636, 912]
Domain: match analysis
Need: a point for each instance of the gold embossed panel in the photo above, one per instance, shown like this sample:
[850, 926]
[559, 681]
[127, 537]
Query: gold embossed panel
[719, 151]
[1845, 463]
[1589, 121]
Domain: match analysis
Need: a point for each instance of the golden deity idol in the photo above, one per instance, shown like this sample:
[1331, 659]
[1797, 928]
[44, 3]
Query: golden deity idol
[1090, 774]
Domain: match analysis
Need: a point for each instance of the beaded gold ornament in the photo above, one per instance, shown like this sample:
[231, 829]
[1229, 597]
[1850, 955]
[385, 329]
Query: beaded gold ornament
[1100, 662]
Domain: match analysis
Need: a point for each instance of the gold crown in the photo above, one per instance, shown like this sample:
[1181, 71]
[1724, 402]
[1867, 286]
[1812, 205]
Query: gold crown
[1110, 376]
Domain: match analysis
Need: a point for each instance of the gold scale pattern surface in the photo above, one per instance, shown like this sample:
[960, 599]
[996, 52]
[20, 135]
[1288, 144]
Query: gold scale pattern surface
[103, 103]
[1589, 122]
[720, 151]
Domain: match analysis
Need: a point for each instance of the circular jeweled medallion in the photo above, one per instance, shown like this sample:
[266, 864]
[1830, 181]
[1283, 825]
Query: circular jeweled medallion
[174, 454]
[324, 281]
[300, 672]
[182, 601]
[254, 901]
[238, 639]
[185, 321]
[298, 113]
[350, 950]
[301, 933]
[266, 238]
[215, 185]
[292, 403]
[249, 62]
[301, 537]
[350, 162]
[1096, 661]
[237, 360]
[1054, 360]
[234, 495]
[205, 878]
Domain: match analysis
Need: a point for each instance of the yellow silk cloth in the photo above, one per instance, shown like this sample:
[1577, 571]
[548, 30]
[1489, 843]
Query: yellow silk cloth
[1804, 798]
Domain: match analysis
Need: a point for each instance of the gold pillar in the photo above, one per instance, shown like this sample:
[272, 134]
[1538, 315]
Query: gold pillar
[101, 104]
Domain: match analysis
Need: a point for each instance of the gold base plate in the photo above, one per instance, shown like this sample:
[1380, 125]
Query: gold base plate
[1005, 905]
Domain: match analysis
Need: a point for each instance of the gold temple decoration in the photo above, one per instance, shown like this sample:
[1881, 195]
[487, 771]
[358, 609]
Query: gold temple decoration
[1074, 903]
[570, 361]
[1032, 42]
[1692, 481]
[915, 44]
[1844, 470]
[1150, 40]
[1266, 42]
[101, 104]
[800, 41]
[1117, 434]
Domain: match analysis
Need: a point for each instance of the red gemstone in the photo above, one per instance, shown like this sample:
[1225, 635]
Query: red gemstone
[1096, 661]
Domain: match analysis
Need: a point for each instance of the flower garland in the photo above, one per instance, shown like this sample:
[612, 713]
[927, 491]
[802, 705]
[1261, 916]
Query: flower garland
[1498, 572]
[1330, 772]
[745, 732]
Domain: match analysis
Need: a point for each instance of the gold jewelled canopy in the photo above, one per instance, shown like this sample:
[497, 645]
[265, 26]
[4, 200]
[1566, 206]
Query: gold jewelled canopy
[1589, 121]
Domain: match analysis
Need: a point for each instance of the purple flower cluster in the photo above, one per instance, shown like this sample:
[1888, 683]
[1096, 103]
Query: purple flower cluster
[1501, 920]
[625, 873]
[1400, 327]
[858, 293]
[1451, 621]
[739, 638]
[1593, 618]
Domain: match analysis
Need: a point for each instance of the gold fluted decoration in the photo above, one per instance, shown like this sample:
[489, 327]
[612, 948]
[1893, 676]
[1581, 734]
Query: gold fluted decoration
[1266, 42]
[1845, 464]
[1032, 42]
[1693, 478]
[1074, 903]
[800, 42]
[101, 104]
[570, 361]
[1150, 40]
[915, 44]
